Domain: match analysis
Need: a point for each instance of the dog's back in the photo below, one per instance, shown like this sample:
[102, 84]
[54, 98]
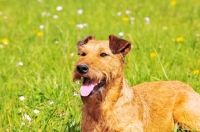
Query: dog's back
[164, 102]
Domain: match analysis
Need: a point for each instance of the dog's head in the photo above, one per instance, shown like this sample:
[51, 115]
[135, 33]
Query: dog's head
[100, 62]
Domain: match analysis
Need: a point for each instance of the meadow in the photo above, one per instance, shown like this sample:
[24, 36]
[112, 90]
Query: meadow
[38, 52]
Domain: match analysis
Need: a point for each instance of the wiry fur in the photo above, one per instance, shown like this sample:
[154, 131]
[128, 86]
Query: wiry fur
[117, 107]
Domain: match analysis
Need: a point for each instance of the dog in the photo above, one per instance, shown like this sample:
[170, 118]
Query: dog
[110, 104]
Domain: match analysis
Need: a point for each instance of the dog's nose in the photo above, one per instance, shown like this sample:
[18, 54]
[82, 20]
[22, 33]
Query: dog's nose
[82, 68]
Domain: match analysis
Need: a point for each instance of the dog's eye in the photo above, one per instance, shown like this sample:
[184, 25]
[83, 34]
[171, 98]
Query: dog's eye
[103, 54]
[83, 54]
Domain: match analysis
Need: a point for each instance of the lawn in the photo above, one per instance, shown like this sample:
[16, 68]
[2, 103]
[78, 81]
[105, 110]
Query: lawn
[38, 51]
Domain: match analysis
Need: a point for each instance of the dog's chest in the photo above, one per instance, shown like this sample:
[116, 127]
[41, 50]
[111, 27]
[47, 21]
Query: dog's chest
[118, 118]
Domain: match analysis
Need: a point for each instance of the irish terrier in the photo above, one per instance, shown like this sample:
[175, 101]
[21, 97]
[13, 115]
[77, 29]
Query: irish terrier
[110, 104]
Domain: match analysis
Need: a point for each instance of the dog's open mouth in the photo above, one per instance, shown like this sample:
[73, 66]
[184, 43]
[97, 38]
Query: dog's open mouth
[90, 86]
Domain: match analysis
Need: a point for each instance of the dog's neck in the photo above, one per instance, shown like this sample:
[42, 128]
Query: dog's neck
[109, 95]
[115, 88]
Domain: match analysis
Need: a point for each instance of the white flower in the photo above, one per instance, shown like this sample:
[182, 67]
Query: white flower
[85, 25]
[5, 17]
[132, 18]
[40, 1]
[1, 46]
[59, 8]
[80, 26]
[147, 19]
[56, 42]
[72, 54]
[20, 63]
[22, 124]
[77, 82]
[75, 93]
[1, 13]
[21, 98]
[128, 12]
[46, 13]
[79, 11]
[36, 111]
[55, 16]
[164, 27]
[119, 13]
[43, 13]
[41, 26]
[27, 117]
[51, 102]
[121, 34]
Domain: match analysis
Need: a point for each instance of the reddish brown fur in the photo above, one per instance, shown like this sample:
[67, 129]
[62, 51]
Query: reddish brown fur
[117, 107]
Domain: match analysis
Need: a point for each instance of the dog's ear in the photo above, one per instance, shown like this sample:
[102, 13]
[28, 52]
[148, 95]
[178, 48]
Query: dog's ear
[118, 45]
[84, 41]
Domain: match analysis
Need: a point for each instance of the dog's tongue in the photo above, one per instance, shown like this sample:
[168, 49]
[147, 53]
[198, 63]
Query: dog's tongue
[87, 87]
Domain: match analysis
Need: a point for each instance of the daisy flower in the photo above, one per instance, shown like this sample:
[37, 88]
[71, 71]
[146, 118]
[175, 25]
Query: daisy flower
[79, 11]
[21, 98]
[55, 16]
[51, 102]
[59, 8]
[128, 12]
[41, 26]
[75, 93]
[119, 13]
[147, 19]
[36, 111]
[20, 63]
[121, 34]
[80, 26]
[27, 117]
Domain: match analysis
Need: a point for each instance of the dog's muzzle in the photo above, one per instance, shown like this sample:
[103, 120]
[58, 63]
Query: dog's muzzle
[90, 86]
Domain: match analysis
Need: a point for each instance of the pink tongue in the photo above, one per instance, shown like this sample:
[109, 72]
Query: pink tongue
[87, 87]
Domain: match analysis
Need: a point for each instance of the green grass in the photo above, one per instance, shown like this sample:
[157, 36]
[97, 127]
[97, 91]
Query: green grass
[47, 68]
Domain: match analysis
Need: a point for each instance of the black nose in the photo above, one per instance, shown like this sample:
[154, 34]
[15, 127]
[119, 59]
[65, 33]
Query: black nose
[82, 68]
